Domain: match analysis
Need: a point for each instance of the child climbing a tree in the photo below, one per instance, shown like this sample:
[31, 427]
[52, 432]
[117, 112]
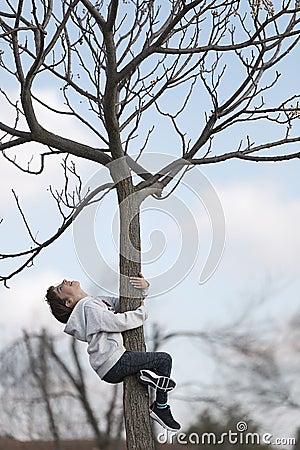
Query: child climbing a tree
[97, 321]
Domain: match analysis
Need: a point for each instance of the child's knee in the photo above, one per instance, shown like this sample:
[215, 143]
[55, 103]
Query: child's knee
[168, 359]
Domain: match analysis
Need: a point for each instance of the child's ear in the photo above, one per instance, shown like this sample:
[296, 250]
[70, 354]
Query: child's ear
[69, 302]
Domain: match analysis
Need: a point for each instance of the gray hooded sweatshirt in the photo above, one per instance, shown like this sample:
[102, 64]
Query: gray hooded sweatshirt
[97, 321]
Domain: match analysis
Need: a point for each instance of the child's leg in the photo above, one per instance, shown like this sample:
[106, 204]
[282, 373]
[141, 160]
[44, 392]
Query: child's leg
[131, 363]
[160, 363]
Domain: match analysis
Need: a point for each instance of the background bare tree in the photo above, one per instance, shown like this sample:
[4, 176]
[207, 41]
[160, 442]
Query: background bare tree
[253, 365]
[42, 380]
[115, 63]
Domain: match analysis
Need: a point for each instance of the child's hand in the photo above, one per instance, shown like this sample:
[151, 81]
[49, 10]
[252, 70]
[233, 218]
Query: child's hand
[142, 303]
[139, 282]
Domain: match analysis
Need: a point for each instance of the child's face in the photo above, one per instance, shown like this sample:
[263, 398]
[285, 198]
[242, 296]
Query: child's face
[70, 291]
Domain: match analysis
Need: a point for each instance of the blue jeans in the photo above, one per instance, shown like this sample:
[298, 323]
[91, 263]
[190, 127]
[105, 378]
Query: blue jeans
[131, 363]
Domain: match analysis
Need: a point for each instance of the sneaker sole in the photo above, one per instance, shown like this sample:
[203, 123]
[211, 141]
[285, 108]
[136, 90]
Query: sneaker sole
[161, 423]
[164, 384]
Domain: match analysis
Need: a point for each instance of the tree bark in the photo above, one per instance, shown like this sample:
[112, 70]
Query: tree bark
[136, 399]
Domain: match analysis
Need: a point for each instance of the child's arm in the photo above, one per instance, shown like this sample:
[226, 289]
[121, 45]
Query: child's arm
[107, 321]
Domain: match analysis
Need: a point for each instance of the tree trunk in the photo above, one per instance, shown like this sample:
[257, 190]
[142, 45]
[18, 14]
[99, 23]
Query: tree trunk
[40, 369]
[136, 399]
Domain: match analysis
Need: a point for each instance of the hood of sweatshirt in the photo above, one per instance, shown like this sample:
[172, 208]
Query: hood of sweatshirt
[76, 325]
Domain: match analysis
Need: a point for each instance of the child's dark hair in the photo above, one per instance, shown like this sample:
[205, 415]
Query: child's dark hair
[57, 305]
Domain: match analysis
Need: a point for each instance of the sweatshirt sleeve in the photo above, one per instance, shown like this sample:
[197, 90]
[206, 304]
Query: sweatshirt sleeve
[97, 321]
[145, 291]
[114, 302]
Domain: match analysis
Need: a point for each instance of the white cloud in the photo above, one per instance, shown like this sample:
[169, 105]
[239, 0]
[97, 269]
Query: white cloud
[262, 227]
[29, 185]
[23, 306]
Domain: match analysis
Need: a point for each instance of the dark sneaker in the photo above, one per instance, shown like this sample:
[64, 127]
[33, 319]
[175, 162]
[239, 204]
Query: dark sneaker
[164, 384]
[164, 417]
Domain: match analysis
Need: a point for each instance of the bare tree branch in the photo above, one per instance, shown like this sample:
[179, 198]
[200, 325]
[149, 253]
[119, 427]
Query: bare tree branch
[33, 252]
